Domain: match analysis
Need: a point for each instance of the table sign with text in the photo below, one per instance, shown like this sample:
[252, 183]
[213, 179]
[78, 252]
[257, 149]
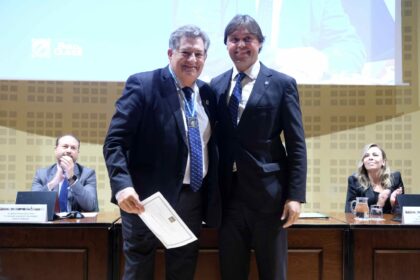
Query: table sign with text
[23, 213]
[411, 215]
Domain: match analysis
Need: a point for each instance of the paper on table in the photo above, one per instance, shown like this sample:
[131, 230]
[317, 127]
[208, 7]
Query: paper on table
[85, 214]
[312, 215]
[165, 223]
[90, 214]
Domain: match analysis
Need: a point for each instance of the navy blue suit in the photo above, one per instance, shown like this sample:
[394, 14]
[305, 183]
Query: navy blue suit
[268, 173]
[147, 148]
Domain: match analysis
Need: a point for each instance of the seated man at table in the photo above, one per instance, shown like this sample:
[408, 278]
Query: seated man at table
[75, 183]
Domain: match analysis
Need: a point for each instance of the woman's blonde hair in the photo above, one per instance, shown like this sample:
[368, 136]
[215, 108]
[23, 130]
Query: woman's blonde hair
[385, 173]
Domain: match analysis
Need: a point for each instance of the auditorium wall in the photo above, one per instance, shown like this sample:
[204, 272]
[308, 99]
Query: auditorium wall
[339, 121]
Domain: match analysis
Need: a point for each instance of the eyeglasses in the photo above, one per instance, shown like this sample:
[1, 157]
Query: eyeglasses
[187, 54]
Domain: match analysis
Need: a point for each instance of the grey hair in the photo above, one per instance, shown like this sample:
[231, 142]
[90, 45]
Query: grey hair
[188, 31]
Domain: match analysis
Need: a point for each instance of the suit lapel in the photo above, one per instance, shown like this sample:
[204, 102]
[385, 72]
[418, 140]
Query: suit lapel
[205, 101]
[77, 170]
[223, 88]
[51, 173]
[259, 89]
[169, 93]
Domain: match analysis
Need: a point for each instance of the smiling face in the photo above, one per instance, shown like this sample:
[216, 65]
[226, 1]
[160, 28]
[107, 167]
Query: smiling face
[187, 61]
[243, 48]
[373, 159]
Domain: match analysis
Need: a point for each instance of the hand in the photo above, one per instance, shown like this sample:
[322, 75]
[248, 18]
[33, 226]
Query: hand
[291, 211]
[394, 194]
[58, 177]
[67, 164]
[383, 196]
[129, 201]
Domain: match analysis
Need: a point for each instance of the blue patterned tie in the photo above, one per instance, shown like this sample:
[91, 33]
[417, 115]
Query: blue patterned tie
[235, 98]
[63, 195]
[194, 140]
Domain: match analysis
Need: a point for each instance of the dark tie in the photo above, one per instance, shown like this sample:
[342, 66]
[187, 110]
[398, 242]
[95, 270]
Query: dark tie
[235, 98]
[194, 140]
[63, 195]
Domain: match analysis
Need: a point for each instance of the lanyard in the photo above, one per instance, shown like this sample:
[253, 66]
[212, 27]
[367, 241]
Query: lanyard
[189, 107]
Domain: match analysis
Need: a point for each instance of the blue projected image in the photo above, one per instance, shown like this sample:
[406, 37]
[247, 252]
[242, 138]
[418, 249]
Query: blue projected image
[317, 42]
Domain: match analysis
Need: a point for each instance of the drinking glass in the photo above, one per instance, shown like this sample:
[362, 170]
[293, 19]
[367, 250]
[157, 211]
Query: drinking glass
[376, 213]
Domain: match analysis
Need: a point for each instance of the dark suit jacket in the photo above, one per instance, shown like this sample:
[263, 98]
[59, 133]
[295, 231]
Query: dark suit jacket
[146, 146]
[354, 189]
[83, 195]
[268, 173]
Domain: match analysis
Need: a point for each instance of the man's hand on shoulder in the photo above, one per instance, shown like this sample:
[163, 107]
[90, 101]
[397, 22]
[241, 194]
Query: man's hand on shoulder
[129, 201]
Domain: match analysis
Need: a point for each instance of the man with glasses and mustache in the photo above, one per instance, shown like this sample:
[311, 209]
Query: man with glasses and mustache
[150, 147]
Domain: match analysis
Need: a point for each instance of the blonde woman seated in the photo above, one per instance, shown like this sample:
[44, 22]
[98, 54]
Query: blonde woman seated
[374, 180]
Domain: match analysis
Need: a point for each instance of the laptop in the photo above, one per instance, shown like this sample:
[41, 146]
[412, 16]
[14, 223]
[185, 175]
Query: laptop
[48, 198]
[404, 200]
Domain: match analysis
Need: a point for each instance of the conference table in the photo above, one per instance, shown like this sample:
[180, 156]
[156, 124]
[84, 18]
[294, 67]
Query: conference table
[383, 249]
[62, 249]
[336, 247]
[316, 251]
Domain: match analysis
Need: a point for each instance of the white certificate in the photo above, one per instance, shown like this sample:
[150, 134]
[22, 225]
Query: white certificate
[165, 223]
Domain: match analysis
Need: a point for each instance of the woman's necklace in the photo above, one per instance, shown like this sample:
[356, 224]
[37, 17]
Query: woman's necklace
[377, 187]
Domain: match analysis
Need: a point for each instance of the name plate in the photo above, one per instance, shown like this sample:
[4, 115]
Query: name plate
[23, 213]
[411, 215]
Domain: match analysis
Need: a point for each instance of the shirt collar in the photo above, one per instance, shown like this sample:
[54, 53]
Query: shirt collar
[251, 72]
[178, 84]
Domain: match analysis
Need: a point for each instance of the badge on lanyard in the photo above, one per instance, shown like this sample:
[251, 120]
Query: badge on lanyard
[192, 122]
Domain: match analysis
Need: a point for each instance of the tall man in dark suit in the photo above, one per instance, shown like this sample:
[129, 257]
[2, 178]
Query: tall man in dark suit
[147, 150]
[263, 181]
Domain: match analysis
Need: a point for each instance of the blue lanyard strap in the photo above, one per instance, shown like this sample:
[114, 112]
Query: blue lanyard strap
[189, 102]
[189, 105]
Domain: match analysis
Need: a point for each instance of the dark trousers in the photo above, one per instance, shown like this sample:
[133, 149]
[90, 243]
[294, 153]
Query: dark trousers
[140, 243]
[244, 229]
